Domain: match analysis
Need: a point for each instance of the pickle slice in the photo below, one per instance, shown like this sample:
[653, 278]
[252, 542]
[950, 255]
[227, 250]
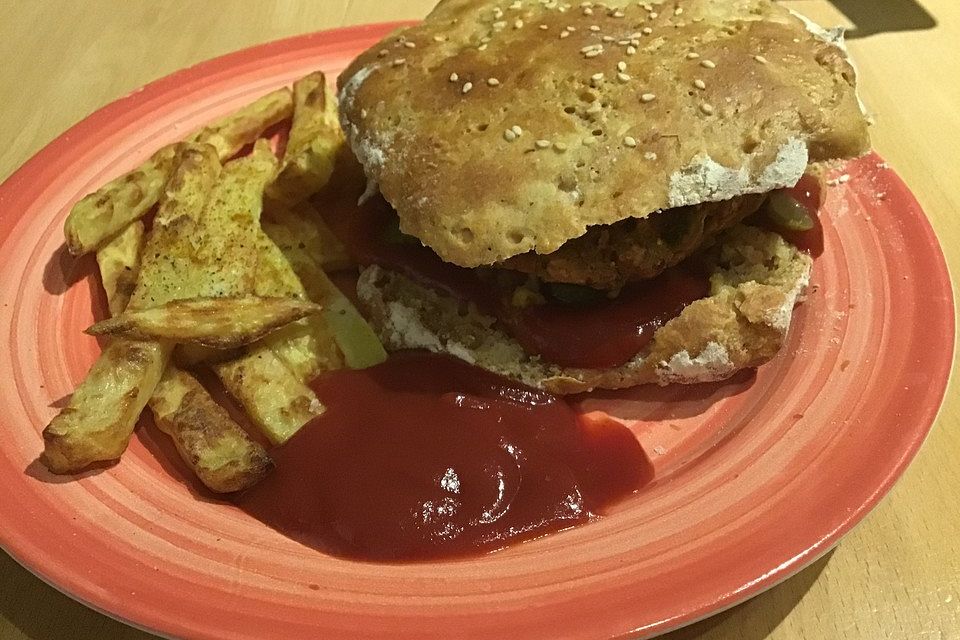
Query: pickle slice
[786, 213]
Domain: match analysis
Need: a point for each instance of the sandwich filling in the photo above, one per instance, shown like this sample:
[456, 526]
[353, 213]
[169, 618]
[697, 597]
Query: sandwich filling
[595, 303]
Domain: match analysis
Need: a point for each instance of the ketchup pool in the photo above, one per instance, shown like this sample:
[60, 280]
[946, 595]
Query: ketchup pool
[426, 457]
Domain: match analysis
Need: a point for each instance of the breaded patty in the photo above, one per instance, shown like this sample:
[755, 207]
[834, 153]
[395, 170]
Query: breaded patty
[499, 128]
[757, 279]
[607, 257]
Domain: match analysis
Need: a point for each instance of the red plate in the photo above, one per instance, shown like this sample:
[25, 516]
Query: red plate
[794, 456]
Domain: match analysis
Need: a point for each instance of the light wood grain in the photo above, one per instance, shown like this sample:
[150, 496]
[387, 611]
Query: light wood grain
[895, 576]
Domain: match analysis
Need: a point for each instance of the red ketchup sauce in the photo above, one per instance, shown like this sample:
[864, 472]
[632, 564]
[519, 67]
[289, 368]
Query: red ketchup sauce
[601, 334]
[425, 456]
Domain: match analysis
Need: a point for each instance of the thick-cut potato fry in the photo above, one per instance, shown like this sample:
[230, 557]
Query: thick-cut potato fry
[98, 217]
[211, 253]
[307, 347]
[233, 132]
[119, 262]
[222, 323]
[217, 449]
[270, 394]
[97, 423]
[301, 224]
[315, 138]
[357, 341]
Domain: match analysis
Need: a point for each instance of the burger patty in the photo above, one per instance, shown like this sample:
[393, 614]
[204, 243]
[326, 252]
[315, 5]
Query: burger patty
[609, 256]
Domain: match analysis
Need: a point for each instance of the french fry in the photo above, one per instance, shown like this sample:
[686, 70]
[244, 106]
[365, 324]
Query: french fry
[357, 341]
[284, 360]
[96, 424]
[99, 419]
[95, 219]
[302, 224]
[222, 323]
[232, 133]
[315, 138]
[119, 262]
[206, 253]
[307, 347]
[217, 449]
[275, 400]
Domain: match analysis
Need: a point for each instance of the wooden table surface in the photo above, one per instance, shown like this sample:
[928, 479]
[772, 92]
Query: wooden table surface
[897, 575]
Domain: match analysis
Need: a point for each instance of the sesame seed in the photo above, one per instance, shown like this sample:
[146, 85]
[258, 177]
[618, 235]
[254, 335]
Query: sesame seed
[708, 64]
[649, 155]
[517, 130]
[594, 108]
[571, 28]
[542, 144]
[623, 77]
[594, 27]
[485, 39]
[590, 47]
[635, 42]
[706, 108]
[467, 86]
[543, 27]
[518, 24]
[586, 5]
[647, 31]
[497, 12]
[398, 62]
[588, 141]
[410, 45]
[454, 77]
[438, 38]
[654, 15]
[509, 136]
[623, 43]
[636, 35]
[500, 24]
[648, 97]
[382, 52]
[559, 146]
[515, 5]
[647, 6]
[363, 113]
[760, 59]
[630, 141]
[678, 11]
[493, 82]
[699, 84]
[482, 47]
[587, 11]
[607, 38]
[564, 34]
[593, 54]
[693, 55]
[621, 66]
[597, 77]
[631, 50]
[618, 14]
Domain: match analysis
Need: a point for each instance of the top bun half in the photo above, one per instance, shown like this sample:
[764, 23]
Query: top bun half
[495, 129]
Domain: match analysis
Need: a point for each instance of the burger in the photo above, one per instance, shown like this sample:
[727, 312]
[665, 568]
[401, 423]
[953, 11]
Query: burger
[573, 195]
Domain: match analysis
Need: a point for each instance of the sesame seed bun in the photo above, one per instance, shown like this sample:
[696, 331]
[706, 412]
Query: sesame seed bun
[498, 129]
